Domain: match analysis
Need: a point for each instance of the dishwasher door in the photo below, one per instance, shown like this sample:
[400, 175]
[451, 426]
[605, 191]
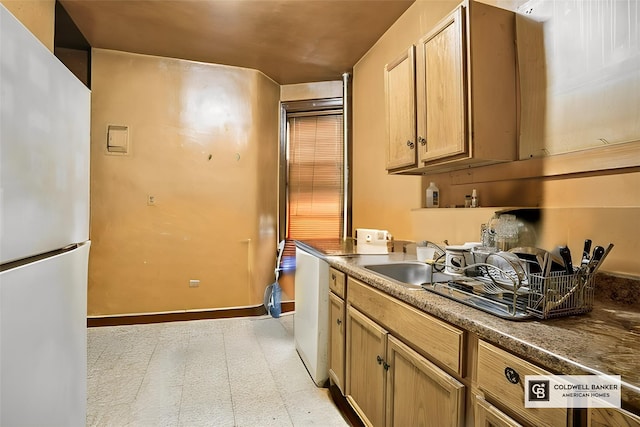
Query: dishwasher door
[311, 318]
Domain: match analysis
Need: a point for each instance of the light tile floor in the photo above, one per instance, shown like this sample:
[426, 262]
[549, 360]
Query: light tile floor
[224, 372]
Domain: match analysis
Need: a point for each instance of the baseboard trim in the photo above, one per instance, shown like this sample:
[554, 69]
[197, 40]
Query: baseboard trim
[141, 319]
[348, 413]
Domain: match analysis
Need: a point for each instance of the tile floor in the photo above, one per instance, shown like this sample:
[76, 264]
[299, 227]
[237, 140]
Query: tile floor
[225, 372]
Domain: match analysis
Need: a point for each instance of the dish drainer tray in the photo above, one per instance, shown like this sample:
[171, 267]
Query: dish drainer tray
[530, 295]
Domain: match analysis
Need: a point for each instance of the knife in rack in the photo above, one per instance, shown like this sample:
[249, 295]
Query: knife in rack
[565, 253]
[598, 255]
[585, 252]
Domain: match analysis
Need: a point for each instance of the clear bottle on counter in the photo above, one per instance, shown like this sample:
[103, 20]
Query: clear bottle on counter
[433, 196]
[474, 199]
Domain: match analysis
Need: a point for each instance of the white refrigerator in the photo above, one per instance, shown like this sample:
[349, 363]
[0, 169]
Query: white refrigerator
[44, 233]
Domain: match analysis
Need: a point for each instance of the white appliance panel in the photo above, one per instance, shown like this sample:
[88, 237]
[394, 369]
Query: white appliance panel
[44, 147]
[311, 318]
[43, 349]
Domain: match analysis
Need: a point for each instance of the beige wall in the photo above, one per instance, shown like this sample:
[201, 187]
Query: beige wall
[394, 202]
[37, 15]
[380, 200]
[204, 145]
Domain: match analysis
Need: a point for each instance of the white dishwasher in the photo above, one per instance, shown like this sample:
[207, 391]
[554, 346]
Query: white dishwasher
[311, 318]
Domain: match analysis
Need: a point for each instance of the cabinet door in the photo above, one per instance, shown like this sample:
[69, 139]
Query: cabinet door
[418, 392]
[366, 349]
[336, 340]
[605, 417]
[487, 415]
[441, 96]
[399, 84]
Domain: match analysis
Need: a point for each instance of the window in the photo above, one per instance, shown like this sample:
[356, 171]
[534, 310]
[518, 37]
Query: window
[312, 185]
[315, 187]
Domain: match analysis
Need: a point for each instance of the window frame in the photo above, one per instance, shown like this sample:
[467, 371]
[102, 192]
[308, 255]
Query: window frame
[310, 107]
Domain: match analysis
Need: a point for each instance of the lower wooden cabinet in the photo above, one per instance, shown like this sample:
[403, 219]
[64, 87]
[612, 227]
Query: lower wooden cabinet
[398, 366]
[366, 348]
[605, 417]
[336, 340]
[500, 377]
[487, 415]
[418, 392]
[390, 384]
[337, 327]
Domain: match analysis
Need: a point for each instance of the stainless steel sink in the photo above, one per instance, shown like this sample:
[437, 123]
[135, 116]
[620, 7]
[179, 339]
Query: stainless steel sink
[416, 275]
[409, 273]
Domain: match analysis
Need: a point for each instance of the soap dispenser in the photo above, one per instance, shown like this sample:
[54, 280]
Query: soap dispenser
[433, 196]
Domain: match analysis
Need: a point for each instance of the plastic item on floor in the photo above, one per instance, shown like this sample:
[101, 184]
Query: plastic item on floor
[273, 292]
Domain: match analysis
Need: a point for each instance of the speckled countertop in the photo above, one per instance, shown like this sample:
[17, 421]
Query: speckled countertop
[603, 341]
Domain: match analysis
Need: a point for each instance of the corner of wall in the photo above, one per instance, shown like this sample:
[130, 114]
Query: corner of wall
[37, 16]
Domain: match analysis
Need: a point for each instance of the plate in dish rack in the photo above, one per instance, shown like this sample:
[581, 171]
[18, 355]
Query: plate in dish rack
[508, 269]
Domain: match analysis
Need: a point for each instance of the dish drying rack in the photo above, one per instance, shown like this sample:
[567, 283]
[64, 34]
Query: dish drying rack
[512, 291]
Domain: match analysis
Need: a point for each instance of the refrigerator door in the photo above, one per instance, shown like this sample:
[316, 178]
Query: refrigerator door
[44, 147]
[43, 341]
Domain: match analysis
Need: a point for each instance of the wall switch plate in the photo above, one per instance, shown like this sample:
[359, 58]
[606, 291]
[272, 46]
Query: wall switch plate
[194, 283]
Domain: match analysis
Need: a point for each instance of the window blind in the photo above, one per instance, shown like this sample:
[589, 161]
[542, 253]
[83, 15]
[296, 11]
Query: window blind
[315, 185]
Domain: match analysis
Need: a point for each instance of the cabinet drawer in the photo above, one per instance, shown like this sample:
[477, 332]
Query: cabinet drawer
[492, 380]
[439, 341]
[336, 281]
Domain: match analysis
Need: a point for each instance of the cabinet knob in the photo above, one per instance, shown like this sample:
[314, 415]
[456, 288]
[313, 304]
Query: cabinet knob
[379, 359]
[410, 144]
[386, 366]
[422, 141]
[333, 277]
[512, 376]
[338, 321]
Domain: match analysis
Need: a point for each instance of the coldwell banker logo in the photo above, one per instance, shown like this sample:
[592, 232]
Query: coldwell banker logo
[539, 391]
[572, 391]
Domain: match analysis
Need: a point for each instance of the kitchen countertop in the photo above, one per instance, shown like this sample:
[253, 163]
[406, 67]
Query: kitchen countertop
[603, 341]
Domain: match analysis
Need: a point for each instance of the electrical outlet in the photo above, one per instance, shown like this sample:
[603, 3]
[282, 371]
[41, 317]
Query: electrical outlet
[151, 200]
[194, 283]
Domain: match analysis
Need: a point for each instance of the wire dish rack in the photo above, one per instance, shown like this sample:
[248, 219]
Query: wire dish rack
[512, 291]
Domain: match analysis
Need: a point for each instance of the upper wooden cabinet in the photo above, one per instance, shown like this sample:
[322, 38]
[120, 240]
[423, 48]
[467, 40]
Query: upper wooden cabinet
[441, 88]
[465, 105]
[400, 105]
